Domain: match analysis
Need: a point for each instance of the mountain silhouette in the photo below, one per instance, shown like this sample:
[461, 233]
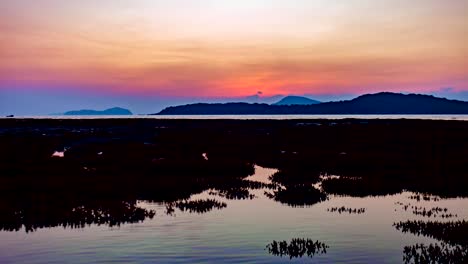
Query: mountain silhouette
[110, 111]
[379, 103]
[296, 100]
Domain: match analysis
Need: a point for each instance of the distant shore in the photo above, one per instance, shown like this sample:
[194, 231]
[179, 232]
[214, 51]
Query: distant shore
[460, 117]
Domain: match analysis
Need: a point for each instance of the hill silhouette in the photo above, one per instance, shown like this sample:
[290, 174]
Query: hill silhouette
[110, 111]
[296, 100]
[379, 103]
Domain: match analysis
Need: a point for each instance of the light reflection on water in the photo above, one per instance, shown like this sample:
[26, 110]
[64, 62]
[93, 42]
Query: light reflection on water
[238, 233]
[58, 154]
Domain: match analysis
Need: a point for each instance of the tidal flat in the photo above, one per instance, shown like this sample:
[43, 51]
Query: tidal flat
[183, 191]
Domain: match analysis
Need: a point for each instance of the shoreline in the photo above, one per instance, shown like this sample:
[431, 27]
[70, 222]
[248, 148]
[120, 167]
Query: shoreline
[460, 117]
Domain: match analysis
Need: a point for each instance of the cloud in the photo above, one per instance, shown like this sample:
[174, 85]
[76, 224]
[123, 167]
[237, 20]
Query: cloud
[452, 93]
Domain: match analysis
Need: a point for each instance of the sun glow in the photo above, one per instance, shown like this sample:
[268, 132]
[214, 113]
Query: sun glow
[234, 48]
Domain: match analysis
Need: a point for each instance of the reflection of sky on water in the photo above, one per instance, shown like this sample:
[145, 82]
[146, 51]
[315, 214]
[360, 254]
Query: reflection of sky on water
[237, 233]
[58, 154]
[262, 174]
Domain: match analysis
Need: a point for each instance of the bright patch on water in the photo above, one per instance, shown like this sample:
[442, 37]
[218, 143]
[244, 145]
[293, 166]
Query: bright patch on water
[58, 154]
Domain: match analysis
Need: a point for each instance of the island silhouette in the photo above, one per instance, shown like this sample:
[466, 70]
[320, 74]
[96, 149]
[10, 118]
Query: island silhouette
[296, 100]
[110, 111]
[379, 103]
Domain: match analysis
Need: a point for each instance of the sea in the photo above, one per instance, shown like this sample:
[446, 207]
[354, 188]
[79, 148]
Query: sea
[250, 117]
[238, 233]
[243, 230]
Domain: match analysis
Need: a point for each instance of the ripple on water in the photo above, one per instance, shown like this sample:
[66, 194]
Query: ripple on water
[236, 233]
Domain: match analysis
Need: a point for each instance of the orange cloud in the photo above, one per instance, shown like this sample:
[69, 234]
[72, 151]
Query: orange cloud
[169, 49]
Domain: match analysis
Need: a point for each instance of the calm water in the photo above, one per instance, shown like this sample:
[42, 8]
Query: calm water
[237, 233]
[257, 117]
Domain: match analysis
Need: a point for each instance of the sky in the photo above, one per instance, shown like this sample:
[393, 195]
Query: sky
[147, 54]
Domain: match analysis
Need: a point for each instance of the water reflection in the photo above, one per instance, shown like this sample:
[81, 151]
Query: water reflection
[248, 182]
[453, 237]
[298, 195]
[297, 248]
[234, 194]
[424, 197]
[435, 253]
[434, 211]
[47, 212]
[454, 233]
[58, 154]
[199, 206]
[344, 209]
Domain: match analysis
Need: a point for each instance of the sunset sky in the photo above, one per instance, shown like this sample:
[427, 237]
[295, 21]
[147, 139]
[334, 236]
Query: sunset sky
[230, 49]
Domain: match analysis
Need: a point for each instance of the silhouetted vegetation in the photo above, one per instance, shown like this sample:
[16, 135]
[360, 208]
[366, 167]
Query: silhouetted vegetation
[435, 253]
[41, 210]
[112, 163]
[424, 197]
[296, 175]
[200, 206]
[361, 187]
[298, 195]
[431, 212]
[297, 248]
[344, 209]
[452, 249]
[235, 194]
[453, 233]
[239, 189]
[434, 211]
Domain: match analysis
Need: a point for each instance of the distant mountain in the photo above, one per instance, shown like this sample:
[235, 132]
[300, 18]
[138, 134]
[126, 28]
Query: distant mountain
[256, 98]
[296, 100]
[110, 111]
[380, 103]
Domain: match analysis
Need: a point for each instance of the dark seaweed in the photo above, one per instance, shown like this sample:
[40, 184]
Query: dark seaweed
[109, 164]
[435, 253]
[297, 248]
[453, 233]
[200, 206]
[344, 209]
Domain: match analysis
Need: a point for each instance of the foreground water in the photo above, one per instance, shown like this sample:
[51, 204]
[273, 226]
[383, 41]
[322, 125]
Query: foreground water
[238, 233]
